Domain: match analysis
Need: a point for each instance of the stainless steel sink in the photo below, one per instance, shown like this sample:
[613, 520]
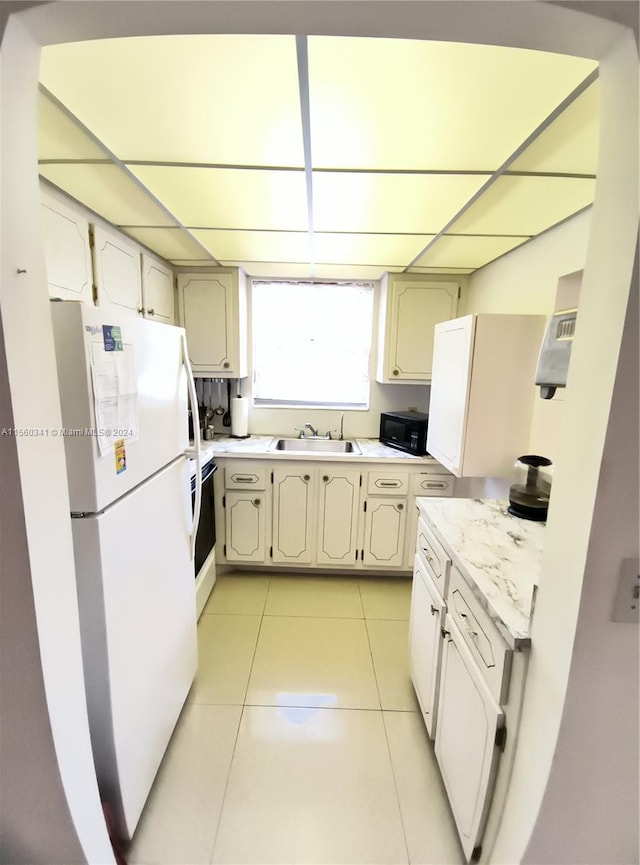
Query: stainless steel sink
[310, 445]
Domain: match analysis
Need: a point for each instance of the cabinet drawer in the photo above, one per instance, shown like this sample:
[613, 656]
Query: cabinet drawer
[483, 639]
[249, 477]
[387, 483]
[436, 559]
[424, 484]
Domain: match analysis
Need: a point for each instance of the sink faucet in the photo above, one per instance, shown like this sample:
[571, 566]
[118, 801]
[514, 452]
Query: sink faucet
[312, 429]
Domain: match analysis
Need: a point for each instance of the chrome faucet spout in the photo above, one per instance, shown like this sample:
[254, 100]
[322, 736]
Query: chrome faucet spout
[312, 429]
[341, 425]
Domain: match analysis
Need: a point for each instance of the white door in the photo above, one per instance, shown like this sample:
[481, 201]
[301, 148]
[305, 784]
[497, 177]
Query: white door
[66, 249]
[157, 290]
[136, 596]
[425, 643]
[384, 528]
[338, 507]
[292, 515]
[468, 720]
[117, 272]
[207, 309]
[449, 402]
[146, 369]
[245, 526]
[415, 311]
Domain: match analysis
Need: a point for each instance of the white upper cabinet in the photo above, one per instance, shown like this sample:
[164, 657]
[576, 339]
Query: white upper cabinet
[117, 271]
[482, 392]
[409, 311]
[213, 312]
[157, 290]
[66, 249]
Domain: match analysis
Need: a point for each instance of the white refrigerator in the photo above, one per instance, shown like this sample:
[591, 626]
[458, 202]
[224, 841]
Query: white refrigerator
[124, 385]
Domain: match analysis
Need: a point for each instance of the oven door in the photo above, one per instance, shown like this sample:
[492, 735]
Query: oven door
[206, 535]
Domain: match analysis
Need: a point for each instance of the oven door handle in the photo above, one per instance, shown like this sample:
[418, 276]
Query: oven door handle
[193, 399]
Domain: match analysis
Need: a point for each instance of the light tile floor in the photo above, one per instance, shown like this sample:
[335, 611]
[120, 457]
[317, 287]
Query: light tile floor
[301, 740]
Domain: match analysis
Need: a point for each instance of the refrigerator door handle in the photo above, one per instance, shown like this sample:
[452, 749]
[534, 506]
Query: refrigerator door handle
[193, 399]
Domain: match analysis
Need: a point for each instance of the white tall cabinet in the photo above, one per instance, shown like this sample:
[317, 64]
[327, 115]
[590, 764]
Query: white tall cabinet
[482, 392]
[409, 311]
[212, 309]
[66, 249]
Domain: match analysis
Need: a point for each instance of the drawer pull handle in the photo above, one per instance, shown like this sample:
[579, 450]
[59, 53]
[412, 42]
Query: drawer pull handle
[239, 480]
[389, 483]
[429, 558]
[471, 633]
[435, 486]
[445, 633]
[434, 610]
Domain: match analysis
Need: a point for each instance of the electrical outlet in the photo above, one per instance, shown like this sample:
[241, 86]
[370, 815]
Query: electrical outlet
[626, 604]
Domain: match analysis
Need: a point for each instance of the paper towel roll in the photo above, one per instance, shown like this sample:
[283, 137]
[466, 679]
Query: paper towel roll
[239, 416]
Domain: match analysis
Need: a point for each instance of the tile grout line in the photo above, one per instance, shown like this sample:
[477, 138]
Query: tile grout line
[395, 787]
[235, 743]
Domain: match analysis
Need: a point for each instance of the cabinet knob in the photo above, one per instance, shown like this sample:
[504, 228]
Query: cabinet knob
[434, 610]
[140, 310]
[225, 365]
[306, 478]
[151, 312]
[445, 633]
[396, 372]
[400, 507]
[325, 478]
[256, 502]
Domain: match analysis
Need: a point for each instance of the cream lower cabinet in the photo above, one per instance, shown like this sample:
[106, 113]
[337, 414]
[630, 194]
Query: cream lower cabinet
[425, 642]
[245, 526]
[469, 719]
[384, 531]
[337, 519]
[293, 518]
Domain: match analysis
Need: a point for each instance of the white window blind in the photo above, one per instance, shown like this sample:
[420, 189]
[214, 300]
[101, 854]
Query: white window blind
[311, 343]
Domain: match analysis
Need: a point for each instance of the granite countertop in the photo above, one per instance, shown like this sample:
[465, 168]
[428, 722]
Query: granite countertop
[257, 446]
[498, 555]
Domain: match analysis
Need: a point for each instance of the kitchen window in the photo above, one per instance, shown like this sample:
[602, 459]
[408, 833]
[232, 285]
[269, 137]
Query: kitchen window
[311, 343]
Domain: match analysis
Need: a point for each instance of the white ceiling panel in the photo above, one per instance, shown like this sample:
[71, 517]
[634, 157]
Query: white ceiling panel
[272, 269]
[228, 198]
[107, 190]
[168, 242]
[467, 251]
[284, 246]
[375, 249]
[400, 103]
[396, 203]
[525, 205]
[215, 98]
[60, 138]
[570, 144]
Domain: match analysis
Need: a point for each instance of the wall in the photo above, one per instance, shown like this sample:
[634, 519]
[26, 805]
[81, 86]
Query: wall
[609, 262]
[48, 778]
[525, 281]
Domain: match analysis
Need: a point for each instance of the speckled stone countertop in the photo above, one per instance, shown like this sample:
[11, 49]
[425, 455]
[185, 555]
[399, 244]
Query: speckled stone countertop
[258, 447]
[498, 555]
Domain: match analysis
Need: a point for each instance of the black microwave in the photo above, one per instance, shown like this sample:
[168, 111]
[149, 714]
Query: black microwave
[405, 430]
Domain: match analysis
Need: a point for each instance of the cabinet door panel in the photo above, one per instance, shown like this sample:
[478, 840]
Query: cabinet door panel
[425, 644]
[415, 311]
[384, 532]
[67, 252]
[468, 718]
[117, 270]
[207, 315]
[338, 517]
[449, 391]
[245, 526]
[157, 291]
[292, 512]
